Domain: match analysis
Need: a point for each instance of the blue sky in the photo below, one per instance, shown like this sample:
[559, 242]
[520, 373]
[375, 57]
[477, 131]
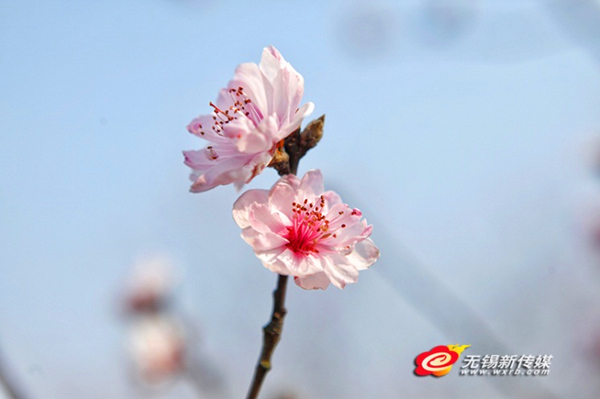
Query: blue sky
[462, 131]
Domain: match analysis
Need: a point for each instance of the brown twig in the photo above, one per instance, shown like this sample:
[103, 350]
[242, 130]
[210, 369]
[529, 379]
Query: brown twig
[296, 145]
[286, 161]
[271, 336]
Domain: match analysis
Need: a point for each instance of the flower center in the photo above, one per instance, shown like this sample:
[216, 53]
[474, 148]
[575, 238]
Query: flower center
[309, 226]
[242, 107]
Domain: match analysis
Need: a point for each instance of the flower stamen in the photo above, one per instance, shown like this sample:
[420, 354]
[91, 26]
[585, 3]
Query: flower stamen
[309, 227]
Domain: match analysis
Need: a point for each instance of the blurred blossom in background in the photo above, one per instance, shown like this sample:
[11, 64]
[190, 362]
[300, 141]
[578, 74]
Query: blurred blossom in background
[466, 130]
[157, 339]
[163, 343]
[150, 284]
[158, 347]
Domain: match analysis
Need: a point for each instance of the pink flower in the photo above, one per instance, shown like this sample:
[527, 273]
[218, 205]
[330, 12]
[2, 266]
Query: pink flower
[158, 347]
[297, 229]
[150, 284]
[259, 107]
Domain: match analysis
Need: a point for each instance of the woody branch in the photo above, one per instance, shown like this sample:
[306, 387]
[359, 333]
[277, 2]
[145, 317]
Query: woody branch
[286, 161]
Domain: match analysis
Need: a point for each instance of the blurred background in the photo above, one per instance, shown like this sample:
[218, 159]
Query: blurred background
[468, 133]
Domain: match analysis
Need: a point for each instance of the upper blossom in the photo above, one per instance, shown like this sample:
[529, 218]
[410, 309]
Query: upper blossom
[298, 229]
[259, 107]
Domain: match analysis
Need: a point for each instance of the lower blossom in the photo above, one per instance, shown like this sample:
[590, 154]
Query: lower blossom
[300, 230]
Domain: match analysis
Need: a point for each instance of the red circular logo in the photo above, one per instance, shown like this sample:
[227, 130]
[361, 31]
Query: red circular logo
[438, 361]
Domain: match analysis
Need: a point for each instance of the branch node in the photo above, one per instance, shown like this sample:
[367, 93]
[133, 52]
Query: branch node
[296, 145]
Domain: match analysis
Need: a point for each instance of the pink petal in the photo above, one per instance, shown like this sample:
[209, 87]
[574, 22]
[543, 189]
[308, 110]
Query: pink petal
[269, 128]
[299, 264]
[364, 255]
[225, 171]
[274, 52]
[292, 181]
[355, 231]
[200, 184]
[295, 120]
[198, 159]
[257, 164]
[241, 207]
[281, 197]
[302, 112]
[341, 214]
[270, 255]
[339, 271]
[237, 128]
[250, 78]
[271, 63]
[261, 242]
[311, 185]
[313, 281]
[263, 220]
[331, 199]
[277, 266]
[253, 142]
[202, 126]
[288, 85]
